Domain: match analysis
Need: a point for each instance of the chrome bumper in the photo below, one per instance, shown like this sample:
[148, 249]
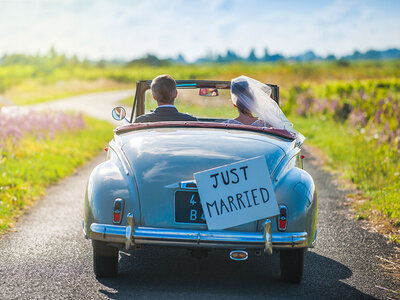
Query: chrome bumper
[131, 235]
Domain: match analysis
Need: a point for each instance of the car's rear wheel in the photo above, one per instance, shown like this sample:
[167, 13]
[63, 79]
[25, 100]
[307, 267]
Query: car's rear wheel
[292, 265]
[105, 259]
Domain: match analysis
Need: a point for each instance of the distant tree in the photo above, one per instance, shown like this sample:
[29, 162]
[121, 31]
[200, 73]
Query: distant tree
[85, 63]
[252, 56]
[180, 59]
[356, 55]
[149, 60]
[231, 56]
[331, 57]
[372, 54]
[220, 59]
[74, 61]
[52, 52]
[343, 63]
[266, 56]
[271, 58]
[101, 64]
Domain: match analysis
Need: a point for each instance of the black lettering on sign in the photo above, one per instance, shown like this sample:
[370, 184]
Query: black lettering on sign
[266, 197]
[226, 182]
[233, 171]
[244, 171]
[230, 200]
[254, 197]
[239, 200]
[216, 180]
[211, 205]
[247, 197]
[222, 207]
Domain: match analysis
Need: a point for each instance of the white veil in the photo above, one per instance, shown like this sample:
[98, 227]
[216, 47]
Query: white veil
[255, 97]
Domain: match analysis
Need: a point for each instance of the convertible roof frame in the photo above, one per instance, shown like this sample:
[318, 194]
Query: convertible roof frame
[143, 85]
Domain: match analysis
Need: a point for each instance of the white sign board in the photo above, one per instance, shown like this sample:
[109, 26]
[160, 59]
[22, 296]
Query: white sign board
[237, 193]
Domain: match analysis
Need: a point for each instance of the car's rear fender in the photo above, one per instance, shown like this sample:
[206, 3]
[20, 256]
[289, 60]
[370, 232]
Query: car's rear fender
[296, 190]
[108, 181]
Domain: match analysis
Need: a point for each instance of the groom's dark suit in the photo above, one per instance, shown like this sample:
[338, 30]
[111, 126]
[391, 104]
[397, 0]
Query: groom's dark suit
[164, 113]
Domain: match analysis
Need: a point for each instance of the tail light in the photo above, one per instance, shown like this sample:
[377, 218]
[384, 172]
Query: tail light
[118, 209]
[282, 219]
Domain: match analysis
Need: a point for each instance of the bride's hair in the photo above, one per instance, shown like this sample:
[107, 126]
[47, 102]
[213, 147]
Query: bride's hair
[244, 96]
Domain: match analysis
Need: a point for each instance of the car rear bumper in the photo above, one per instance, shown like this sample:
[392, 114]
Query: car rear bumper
[131, 235]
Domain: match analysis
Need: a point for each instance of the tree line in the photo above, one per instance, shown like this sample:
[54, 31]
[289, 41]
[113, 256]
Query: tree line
[53, 59]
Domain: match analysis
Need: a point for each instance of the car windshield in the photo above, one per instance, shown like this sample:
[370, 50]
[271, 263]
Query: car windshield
[189, 101]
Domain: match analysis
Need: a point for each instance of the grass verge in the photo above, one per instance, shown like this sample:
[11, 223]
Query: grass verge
[32, 92]
[31, 166]
[372, 167]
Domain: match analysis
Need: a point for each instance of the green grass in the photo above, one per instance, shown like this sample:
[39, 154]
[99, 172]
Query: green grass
[32, 92]
[285, 74]
[27, 169]
[373, 167]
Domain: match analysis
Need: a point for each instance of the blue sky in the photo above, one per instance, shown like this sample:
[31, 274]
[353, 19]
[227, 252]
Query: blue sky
[129, 29]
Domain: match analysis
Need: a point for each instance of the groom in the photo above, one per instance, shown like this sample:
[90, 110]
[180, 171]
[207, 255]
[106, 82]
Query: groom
[164, 91]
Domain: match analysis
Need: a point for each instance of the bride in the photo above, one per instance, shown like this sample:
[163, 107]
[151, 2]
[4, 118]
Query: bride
[256, 107]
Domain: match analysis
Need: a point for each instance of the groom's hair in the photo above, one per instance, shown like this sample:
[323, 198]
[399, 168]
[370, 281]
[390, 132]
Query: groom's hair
[163, 88]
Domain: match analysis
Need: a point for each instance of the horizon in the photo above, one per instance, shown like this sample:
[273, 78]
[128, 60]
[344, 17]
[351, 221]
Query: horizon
[122, 30]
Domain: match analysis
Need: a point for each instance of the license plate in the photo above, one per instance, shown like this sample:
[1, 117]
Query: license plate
[188, 208]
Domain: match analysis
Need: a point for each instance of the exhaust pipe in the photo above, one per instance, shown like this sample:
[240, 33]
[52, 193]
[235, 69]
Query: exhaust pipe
[238, 255]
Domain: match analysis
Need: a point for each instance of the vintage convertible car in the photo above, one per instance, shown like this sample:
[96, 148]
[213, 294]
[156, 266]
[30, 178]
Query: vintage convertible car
[144, 193]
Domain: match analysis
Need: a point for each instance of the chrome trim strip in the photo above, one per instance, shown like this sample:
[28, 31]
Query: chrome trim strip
[267, 235]
[188, 185]
[130, 235]
[314, 242]
[129, 231]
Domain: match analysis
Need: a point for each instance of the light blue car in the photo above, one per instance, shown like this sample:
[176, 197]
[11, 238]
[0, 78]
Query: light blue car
[144, 193]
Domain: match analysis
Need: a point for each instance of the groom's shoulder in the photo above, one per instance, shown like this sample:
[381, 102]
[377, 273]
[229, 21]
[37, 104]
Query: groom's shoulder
[149, 117]
[172, 115]
[186, 117]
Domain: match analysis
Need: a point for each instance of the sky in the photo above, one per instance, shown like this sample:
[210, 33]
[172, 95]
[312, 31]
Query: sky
[122, 29]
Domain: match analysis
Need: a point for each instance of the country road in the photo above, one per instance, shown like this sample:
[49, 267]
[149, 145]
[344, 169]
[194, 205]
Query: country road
[47, 256]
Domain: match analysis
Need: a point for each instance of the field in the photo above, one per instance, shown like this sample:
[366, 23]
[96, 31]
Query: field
[348, 110]
[50, 79]
[39, 149]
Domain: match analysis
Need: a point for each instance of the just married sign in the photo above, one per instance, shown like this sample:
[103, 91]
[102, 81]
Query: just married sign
[237, 193]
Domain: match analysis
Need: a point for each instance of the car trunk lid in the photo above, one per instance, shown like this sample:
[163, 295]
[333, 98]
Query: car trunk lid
[164, 158]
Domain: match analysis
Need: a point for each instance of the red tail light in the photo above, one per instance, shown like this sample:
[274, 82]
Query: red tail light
[282, 220]
[118, 209]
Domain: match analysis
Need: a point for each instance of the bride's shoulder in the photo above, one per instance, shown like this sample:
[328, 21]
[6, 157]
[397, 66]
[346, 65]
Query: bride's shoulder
[260, 123]
[232, 121]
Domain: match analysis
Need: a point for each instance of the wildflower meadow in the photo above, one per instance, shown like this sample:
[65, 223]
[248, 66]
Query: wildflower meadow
[40, 148]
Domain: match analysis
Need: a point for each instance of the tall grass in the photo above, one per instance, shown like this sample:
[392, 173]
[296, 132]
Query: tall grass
[28, 166]
[357, 124]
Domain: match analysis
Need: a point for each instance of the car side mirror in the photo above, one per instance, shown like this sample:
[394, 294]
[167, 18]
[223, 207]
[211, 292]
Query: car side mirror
[118, 113]
[208, 92]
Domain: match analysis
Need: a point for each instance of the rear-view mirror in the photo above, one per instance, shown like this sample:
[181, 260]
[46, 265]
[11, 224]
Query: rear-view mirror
[208, 92]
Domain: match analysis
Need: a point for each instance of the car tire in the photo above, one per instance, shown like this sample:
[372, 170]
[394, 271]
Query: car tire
[105, 259]
[292, 265]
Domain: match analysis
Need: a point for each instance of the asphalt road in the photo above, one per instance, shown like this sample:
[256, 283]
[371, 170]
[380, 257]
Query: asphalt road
[48, 257]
